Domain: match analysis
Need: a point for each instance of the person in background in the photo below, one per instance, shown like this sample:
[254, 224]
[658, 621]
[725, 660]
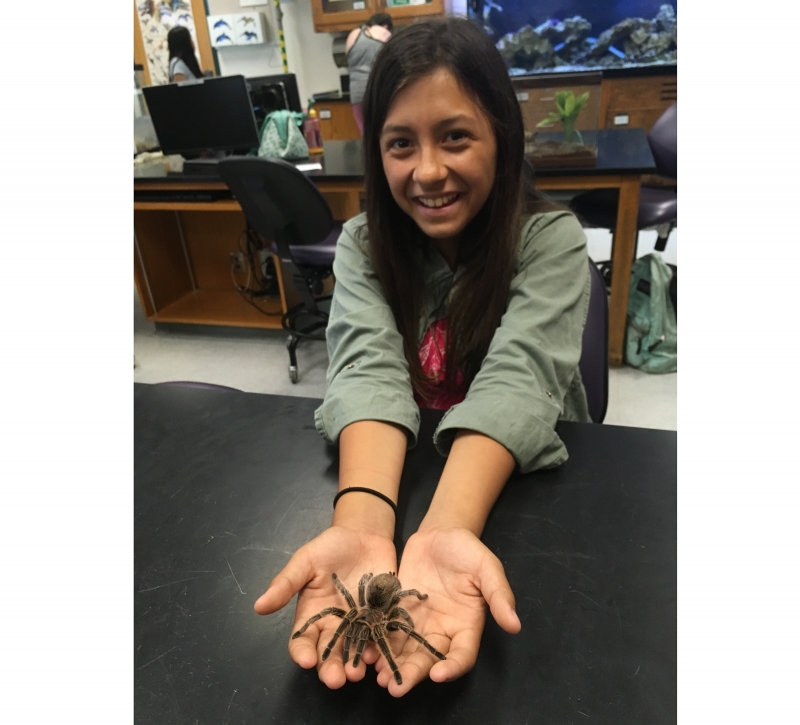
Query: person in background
[361, 48]
[183, 63]
[461, 289]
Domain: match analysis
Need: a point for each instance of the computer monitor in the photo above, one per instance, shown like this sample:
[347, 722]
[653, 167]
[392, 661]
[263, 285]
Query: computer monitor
[271, 93]
[207, 114]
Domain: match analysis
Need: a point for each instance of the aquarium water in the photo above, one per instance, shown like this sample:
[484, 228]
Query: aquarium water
[536, 36]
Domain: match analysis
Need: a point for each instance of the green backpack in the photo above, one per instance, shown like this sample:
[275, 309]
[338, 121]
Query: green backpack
[281, 137]
[652, 329]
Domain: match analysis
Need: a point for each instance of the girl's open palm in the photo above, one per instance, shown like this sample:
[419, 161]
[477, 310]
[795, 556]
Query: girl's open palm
[349, 553]
[460, 576]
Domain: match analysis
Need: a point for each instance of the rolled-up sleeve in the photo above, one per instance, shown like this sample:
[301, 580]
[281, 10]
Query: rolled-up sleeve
[518, 394]
[368, 375]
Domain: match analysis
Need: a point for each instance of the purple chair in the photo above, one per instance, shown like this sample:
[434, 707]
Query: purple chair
[658, 206]
[594, 349]
[283, 205]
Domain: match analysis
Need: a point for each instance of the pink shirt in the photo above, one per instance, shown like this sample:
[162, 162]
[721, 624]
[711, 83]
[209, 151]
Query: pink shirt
[432, 354]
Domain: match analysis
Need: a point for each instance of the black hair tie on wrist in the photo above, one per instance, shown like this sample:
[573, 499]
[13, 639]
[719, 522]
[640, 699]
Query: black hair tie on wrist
[365, 490]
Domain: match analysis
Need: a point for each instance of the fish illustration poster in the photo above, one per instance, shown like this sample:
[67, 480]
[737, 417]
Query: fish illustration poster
[156, 19]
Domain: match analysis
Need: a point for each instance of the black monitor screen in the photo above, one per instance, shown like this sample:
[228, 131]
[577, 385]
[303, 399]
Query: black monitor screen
[264, 87]
[211, 114]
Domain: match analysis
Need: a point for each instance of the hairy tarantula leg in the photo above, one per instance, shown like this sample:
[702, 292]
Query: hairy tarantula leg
[400, 612]
[324, 613]
[346, 622]
[343, 589]
[405, 593]
[363, 638]
[348, 643]
[361, 585]
[391, 626]
[380, 640]
[409, 592]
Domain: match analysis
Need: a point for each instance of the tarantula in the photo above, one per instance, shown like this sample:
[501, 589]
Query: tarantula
[377, 614]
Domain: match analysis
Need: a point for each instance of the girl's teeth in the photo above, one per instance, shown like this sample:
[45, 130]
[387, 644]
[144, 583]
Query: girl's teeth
[436, 203]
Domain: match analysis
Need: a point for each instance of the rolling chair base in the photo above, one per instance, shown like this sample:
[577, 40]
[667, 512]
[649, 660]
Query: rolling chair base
[313, 328]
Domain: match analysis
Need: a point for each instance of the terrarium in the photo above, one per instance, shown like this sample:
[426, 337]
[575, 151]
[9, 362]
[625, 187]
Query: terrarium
[561, 116]
[545, 36]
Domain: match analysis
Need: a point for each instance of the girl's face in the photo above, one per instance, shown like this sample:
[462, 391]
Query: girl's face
[439, 155]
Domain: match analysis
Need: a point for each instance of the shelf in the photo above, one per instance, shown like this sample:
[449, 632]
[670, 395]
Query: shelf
[220, 307]
[221, 205]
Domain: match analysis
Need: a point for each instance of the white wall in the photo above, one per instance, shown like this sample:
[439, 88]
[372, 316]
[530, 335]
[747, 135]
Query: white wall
[310, 54]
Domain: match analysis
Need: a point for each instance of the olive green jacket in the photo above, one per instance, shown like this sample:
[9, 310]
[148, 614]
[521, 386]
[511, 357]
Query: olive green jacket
[529, 378]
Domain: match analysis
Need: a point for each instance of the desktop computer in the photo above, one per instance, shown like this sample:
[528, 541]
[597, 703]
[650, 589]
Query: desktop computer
[203, 120]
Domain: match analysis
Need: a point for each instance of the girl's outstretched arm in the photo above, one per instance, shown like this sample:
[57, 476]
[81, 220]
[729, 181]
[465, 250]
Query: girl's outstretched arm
[446, 560]
[360, 540]
[474, 475]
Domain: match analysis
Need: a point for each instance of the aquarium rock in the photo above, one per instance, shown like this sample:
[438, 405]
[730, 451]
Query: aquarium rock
[576, 28]
[553, 30]
[526, 49]
[618, 32]
[639, 36]
[666, 22]
[566, 32]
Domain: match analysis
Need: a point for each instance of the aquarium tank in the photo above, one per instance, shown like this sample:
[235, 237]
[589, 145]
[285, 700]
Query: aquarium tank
[545, 36]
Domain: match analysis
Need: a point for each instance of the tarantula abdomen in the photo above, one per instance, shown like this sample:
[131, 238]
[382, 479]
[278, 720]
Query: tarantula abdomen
[377, 613]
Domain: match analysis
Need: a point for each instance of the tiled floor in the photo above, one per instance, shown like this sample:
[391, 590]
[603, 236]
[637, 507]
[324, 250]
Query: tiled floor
[256, 361]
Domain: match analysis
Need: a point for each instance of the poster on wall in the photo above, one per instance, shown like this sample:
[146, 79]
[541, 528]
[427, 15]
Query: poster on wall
[156, 19]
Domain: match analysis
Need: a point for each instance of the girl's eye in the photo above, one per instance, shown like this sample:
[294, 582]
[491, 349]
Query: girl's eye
[456, 136]
[399, 144]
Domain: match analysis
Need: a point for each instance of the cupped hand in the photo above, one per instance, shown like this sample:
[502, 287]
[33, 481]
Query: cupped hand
[349, 553]
[460, 576]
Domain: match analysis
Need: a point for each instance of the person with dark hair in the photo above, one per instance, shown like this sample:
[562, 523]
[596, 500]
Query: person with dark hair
[461, 289]
[183, 63]
[361, 47]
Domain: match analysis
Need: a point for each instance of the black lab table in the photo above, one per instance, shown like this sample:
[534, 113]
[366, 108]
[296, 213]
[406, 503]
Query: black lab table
[228, 485]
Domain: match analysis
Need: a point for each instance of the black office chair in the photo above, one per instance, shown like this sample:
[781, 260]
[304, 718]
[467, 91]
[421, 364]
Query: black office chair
[284, 206]
[658, 206]
[594, 348]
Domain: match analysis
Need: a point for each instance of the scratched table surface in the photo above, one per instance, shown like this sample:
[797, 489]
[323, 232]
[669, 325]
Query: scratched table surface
[229, 484]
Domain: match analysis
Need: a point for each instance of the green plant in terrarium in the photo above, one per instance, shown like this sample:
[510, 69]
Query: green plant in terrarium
[568, 109]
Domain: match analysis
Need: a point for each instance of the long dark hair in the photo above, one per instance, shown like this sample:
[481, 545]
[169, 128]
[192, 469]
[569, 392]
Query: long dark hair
[179, 42]
[489, 244]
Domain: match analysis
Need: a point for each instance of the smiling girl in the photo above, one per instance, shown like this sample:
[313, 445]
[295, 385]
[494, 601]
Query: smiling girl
[460, 289]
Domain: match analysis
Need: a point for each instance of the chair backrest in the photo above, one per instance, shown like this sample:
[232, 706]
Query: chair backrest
[663, 139]
[594, 352]
[277, 198]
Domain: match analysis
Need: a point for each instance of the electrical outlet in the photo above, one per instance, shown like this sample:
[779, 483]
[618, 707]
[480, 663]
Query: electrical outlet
[237, 263]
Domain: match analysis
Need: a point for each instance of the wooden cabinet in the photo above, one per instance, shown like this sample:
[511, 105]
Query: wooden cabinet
[623, 102]
[336, 120]
[342, 15]
[639, 101]
[636, 102]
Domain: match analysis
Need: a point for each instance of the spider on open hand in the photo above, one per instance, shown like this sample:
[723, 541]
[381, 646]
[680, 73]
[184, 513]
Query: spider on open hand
[377, 614]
